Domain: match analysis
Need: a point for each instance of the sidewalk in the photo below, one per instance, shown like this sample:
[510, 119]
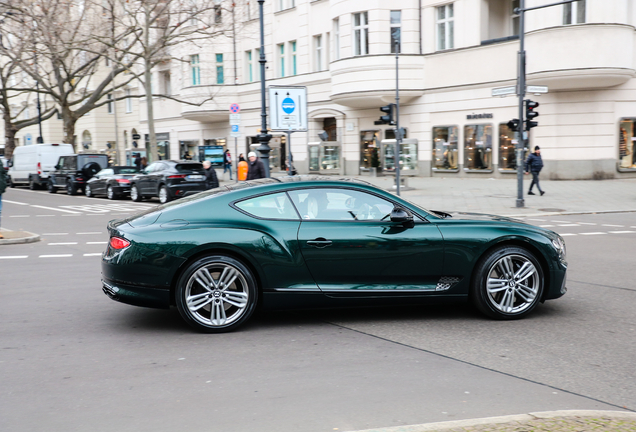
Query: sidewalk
[499, 196]
[17, 237]
[551, 421]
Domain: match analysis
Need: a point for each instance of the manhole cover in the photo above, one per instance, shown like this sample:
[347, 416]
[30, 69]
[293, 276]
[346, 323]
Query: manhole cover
[552, 210]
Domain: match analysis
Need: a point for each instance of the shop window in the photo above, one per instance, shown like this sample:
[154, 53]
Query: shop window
[478, 147]
[507, 149]
[314, 158]
[627, 144]
[330, 157]
[369, 150]
[445, 150]
[408, 156]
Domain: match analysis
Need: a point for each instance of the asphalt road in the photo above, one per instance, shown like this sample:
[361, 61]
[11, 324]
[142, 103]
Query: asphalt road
[71, 359]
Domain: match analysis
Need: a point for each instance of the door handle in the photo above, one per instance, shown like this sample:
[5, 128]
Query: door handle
[319, 242]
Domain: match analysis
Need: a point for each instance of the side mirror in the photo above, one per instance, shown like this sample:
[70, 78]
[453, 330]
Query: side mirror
[403, 216]
[57, 167]
[10, 164]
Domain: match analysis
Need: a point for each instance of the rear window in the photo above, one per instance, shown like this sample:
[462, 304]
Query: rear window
[126, 170]
[82, 160]
[188, 168]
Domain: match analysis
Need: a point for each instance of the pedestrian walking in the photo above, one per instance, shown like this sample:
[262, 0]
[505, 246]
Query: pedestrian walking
[255, 169]
[3, 187]
[137, 161]
[211, 180]
[534, 165]
[227, 163]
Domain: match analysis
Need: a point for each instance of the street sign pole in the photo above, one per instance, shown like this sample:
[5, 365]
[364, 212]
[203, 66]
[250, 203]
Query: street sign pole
[398, 132]
[289, 153]
[521, 86]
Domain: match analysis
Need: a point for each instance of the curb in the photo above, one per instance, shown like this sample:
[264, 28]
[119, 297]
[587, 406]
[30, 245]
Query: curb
[455, 424]
[18, 237]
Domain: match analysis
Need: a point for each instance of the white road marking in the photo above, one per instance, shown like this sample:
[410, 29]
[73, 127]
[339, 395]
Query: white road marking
[56, 256]
[102, 242]
[14, 202]
[20, 216]
[63, 243]
[546, 226]
[593, 233]
[48, 234]
[93, 254]
[558, 221]
[567, 234]
[622, 232]
[617, 226]
[56, 209]
[586, 223]
[569, 225]
[14, 257]
[79, 214]
[44, 215]
[89, 233]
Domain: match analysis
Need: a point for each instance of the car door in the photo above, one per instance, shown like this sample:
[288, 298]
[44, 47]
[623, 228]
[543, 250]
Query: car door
[101, 180]
[155, 178]
[146, 181]
[352, 248]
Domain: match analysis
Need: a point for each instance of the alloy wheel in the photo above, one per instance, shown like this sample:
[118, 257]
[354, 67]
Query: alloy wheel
[110, 193]
[513, 284]
[134, 193]
[87, 191]
[164, 197]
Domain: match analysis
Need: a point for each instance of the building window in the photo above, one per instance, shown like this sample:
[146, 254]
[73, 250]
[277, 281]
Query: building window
[294, 67]
[281, 60]
[507, 149]
[627, 143]
[445, 150]
[218, 17]
[219, 69]
[165, 86]
[128, 101]
[361, 33]
[318, 53]
[195, 70]
[514, 18]
[445, 27]
[336, 39]
[574, 13]
[250, 66]
[396, 31]
[478, 147]
[109, 105]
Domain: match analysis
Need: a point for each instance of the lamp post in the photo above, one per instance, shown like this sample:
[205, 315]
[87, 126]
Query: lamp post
[263, 137]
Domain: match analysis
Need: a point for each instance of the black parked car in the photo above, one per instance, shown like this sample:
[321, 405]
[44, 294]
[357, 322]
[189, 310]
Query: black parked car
[73, 171]
[114, 182]
[168, 180]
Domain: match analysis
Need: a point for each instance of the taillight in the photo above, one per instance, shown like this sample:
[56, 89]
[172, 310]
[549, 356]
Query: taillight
[177, 176]
[39, 168]
[123, 181]
[119, 243]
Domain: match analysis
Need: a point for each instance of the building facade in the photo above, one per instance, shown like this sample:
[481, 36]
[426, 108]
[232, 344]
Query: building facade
[451, 56]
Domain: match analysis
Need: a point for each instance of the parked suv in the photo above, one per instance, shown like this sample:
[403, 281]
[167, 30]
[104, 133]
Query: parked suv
[168, 180]
[73, 171]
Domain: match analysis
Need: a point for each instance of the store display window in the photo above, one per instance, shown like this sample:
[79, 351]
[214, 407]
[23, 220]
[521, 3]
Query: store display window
[369, 150]
[478, 147]
[508, 149]
[445, 155]
[408, 156]
[314, 158]
[329, 157]
[627, 144]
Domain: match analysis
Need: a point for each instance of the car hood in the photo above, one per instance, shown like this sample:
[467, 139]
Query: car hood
[475, 216]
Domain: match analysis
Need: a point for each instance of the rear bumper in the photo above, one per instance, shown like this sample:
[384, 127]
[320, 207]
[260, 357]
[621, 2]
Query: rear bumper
[183, 189]
[137, 295]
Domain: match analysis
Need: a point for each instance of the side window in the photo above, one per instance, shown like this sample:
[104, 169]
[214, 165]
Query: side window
[69, 163]
[340, 204]
[60, 162]
[273, 206]
[153, 167]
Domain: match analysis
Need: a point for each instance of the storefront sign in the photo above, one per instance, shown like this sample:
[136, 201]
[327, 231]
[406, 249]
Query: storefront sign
[479, 116]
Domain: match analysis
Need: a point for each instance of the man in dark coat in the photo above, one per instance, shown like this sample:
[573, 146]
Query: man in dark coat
[255, 168]
[211, 180]
[534, 164]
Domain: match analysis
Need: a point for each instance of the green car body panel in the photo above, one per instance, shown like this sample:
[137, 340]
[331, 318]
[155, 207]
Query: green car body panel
[368, 261]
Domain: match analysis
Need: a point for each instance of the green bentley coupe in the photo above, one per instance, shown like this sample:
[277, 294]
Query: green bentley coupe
[306, 242]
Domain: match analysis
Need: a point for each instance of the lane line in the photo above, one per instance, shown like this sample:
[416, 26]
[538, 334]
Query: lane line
[93, 254]
[14, 257]
[63, 243]
[622, 232]
[593, 233]
[610, 225]
[44, 215]
[79, 214]
[567, 234]
[545, 226]
[19, 216]
[53, 208]
[14, 202]
[586, 223]
[56, 256]
[564, 225]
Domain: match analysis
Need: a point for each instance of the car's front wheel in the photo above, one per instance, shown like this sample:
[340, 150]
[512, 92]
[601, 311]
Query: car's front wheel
[50, 187]
[508, 283]
[164, 194]
[216, 294]
[134, 193]
[71, 189]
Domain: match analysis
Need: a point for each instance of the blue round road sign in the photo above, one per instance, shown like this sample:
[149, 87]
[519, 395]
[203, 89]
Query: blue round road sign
[234, 108]
[288, 105]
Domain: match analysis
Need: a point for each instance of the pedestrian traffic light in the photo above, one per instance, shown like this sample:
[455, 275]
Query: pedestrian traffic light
[389, 117]
[531, 113]
[513, 125]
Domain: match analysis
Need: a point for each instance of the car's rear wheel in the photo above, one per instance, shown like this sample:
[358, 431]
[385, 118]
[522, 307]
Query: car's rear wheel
[50, 187]
[164, 195]
[110, 193]
[33, 185]
[134, 194]
[88, 191]
[71, 189]
[216, 294]
[508, 283]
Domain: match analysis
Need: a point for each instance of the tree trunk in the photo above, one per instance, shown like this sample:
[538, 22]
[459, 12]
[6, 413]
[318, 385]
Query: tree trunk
[9, 136]
[154, 154]
[69, 128]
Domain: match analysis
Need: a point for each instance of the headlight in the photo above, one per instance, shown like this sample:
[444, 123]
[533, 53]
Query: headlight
[559, 245]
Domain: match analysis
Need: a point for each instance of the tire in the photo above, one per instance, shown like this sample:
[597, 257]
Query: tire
[71, 189]
[216, 294]
[164, 194]
[33, 185]
[90, 169]
[134, 193]
[50, 187]
[508, 283]
[88, 191]
[110, 193]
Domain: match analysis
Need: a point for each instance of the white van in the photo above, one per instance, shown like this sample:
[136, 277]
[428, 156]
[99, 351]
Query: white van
[30, 165]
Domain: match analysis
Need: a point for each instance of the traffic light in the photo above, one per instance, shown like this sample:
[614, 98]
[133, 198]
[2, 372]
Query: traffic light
[389, 117]
[531, 113]
[513, 125]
